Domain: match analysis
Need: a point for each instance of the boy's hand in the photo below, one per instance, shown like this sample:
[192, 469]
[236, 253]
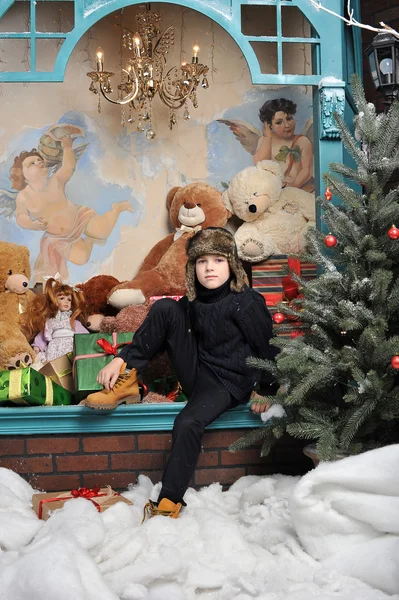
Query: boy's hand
[109, 374]
[267, 130]
[66, 142]
[260, 405]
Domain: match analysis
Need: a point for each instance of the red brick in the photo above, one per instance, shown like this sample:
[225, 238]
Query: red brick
[162, 441]
[109, 443]
[28, 465]
[52, 445]
[243, 457]
[118, 481]
[208, 459]
[11, 446]
[221, 438]
[82, 463]
[53, 483]
[150, 460]
[208, 476]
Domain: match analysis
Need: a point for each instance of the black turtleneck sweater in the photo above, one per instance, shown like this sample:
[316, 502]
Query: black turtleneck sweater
[230, 327]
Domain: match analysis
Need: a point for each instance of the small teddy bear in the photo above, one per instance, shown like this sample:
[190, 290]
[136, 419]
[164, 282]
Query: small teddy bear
[15, 352]
[95, 292]
[276, 219]
[163, 272]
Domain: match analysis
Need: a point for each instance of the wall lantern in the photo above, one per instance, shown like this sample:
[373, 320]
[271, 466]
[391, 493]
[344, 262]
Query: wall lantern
[383, 55]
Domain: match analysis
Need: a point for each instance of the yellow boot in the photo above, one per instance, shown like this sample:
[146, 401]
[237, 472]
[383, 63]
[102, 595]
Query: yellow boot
[126, 389]
[166, 508]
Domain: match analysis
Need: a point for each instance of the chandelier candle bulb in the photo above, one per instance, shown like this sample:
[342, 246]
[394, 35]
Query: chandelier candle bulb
[100, 59]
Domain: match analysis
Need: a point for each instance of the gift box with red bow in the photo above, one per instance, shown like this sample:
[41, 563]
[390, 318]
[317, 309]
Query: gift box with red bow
[271, 280]
[92, 352]
[102, 498]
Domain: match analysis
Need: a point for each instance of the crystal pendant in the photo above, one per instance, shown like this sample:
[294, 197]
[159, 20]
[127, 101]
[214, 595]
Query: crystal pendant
[130, 118]
[146, 117]
[205, 83]
[186, 115]
[99, 103]
[150, 134]
[123, 117]
[93, 88]
[140, 126]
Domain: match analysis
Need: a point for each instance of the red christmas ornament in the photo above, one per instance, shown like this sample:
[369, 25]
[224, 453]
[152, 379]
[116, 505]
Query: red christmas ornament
[395, 362]
[328, 194]
[295, 334]
[330, 240]
[393, 233]
[278, 317]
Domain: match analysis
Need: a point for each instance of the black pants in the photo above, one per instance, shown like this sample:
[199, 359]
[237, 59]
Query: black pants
[167, 327]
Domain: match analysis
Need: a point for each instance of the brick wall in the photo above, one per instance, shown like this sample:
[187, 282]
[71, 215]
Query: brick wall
[372, 12]
[63, 462]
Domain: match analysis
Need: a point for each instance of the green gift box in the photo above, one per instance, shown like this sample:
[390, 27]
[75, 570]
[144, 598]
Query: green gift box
[92, 352]
[31, 388]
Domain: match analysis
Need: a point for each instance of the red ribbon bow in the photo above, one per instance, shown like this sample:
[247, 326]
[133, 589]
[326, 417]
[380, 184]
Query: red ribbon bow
[88, 493]
[107, 346]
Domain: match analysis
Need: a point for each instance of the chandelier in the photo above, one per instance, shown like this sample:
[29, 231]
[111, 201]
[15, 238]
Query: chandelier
[145, 75]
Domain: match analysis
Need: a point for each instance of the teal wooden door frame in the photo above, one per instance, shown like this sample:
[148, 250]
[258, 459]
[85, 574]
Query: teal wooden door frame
[329, 81]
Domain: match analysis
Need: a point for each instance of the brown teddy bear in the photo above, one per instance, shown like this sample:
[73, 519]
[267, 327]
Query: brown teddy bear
[191, 208]
[95, 291]
[15, 351]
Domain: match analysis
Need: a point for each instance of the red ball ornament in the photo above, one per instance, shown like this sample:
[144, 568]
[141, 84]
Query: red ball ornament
[393, 233]
[328, 194]
[395, 362]
[278, 317]
[330, 240]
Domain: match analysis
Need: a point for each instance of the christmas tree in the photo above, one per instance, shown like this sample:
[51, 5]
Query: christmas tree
[338, 377]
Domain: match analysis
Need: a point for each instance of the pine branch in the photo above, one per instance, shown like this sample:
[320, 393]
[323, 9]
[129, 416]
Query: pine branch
[355, 418]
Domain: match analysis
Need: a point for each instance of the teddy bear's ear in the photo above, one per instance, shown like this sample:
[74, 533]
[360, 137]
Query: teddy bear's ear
[272, 166]
[171, 194]
[227, 203]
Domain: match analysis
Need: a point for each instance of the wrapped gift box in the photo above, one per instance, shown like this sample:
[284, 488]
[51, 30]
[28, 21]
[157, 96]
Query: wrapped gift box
[31, 388]
[102, 498]
[92, 352]
[267, 279]
[155, 298]
[60, 371]
[268, 274]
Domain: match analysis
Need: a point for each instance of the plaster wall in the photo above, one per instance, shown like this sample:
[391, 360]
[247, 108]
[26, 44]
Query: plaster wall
[119, 163]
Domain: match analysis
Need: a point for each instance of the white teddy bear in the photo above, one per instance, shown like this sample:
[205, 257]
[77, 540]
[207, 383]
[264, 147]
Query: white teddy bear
[275, 218]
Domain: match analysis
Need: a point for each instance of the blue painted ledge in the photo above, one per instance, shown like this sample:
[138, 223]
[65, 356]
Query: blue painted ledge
[79, 419]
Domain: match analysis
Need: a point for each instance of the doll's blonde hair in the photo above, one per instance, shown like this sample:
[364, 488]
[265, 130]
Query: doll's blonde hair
[44, 306]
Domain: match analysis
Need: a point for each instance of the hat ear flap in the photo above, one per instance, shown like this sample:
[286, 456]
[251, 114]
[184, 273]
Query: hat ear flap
[190, 280]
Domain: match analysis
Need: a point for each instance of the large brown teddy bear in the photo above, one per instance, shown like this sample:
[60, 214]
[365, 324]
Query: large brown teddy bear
[14, 291]
[191, 208]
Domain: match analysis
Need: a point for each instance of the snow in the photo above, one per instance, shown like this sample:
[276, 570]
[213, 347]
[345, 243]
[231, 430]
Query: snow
[234, 545]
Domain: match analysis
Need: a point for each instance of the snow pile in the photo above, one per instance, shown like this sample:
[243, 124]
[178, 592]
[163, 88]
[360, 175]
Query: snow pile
[346, 514]
[235, 545]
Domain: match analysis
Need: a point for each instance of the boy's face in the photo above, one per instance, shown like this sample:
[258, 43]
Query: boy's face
[283, 124]
[32, 167]
[212, 270]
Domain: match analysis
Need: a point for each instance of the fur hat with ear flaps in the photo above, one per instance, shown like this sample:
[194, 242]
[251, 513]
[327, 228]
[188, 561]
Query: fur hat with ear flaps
[213, 240]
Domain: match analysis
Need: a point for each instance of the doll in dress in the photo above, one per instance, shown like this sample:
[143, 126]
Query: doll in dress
[53, 318]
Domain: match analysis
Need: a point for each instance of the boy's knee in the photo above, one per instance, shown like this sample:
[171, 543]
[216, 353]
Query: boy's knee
[187, 425]
[165, 305]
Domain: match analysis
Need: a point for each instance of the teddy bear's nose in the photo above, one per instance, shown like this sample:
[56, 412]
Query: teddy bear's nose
[189, 205]
[25, 284]
[252, 208]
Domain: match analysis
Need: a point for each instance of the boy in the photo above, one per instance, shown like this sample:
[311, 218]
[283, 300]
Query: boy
[208, 335]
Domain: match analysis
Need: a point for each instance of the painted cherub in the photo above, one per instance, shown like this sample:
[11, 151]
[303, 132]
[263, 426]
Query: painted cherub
[42, 205]
[279, 142]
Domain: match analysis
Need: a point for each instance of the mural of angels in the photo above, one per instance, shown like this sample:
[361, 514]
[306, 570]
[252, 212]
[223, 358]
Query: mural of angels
[41, 204]
[279, 141]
